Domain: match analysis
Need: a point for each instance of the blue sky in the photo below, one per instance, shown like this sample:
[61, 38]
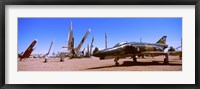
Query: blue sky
[118, 30]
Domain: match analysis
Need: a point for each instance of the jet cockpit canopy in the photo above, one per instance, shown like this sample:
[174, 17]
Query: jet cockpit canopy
[122, 43]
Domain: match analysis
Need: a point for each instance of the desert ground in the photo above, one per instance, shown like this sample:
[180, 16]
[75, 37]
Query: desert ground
[94, 64]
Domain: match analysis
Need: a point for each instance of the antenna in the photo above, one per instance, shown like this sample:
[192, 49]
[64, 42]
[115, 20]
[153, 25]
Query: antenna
[105, 40]
[91, 45]
[181, 44]
[70, 25]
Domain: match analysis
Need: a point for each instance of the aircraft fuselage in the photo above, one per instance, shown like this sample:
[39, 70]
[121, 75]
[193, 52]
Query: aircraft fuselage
[28, 51]
[128, 49]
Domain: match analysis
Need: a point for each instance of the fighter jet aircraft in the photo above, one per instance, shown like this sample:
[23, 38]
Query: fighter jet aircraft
[174, 52]
[28, 51]
[46, 56]
[89, 49]
[133, 49]
[74, 52]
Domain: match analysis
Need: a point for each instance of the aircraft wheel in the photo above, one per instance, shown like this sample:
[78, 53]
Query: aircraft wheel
[45, 61]
[134, 59]
[101, 58]
[116, 63]
[61, 60]
[165, 61]
[180, 57]
[70, 57]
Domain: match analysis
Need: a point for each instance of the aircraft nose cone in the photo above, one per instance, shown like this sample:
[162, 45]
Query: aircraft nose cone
[35, 39]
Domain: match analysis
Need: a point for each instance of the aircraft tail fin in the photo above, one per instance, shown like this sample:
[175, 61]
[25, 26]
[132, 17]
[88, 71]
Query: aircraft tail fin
[91, 45]
[50, 47]
[70, 38]
[20, 55]
[88, 51]
[82, 41]
[162, 40]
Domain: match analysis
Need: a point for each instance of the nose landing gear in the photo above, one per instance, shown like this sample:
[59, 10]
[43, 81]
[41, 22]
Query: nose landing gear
[116, 61]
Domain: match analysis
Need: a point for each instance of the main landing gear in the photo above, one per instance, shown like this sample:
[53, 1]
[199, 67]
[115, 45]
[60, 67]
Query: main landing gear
[134, 58]
[45, 60]
[166, 59]
[61, 59]
[101, 58]
[116, 61]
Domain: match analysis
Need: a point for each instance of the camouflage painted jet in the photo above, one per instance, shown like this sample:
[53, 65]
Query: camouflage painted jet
[28, 51]
[74, 52]
[174, 52]
[133, 49]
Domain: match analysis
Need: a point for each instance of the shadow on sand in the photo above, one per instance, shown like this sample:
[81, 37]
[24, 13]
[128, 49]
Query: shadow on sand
[131, 63]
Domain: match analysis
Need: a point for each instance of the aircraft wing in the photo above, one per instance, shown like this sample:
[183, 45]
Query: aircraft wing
[157, 53]
[176, 53]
